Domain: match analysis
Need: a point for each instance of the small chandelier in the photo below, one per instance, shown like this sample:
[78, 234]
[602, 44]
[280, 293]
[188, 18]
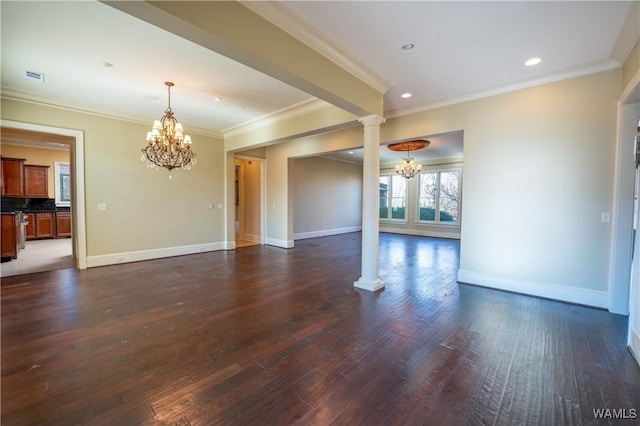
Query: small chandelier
[167, 145]
[408, 168]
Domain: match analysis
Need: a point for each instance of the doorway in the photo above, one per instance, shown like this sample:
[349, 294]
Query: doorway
[44, 208]
[249, 201]
[74, 222]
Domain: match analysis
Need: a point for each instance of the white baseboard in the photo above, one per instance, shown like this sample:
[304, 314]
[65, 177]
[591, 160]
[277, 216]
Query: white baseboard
[229, 245]
[136, 256]
[581, 296]
[421, 232]
[252, 238]
[326, 232]
[279, 243]
[634, 343]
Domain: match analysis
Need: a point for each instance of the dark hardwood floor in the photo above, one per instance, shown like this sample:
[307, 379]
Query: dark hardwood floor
[268, 336]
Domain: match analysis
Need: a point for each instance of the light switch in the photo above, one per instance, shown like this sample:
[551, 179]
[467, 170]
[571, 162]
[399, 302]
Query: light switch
[219, 205]
[102, 206]
[605, 217]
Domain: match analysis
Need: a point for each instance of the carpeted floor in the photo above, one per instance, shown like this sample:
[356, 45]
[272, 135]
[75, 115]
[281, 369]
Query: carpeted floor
[38, 256]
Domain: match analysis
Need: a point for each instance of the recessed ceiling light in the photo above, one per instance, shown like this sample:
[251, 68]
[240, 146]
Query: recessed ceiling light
[533, 61]
[408, 47]
[406, 95]
[351, 152]
[218, 98]
[107, 64]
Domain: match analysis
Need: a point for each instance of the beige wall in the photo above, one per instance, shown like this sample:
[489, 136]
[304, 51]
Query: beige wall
[280, 180]
[146, 210]
[538, 173]
[327, 196]
[40, 157]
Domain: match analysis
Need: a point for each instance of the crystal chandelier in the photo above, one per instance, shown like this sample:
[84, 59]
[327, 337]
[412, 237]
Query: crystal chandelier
[167, 145]
[408, 168]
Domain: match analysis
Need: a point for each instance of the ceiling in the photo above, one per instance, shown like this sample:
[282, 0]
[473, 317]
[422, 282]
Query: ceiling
[99, 59]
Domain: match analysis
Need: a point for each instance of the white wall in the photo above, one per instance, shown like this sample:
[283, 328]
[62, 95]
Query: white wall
[327, 197]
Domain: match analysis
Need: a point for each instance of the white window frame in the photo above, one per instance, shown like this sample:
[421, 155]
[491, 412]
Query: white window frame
[58, 165]
[436, 220]
[390, 198]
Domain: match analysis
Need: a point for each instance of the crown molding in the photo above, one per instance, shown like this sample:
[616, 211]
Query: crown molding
[16, 96]
[629, 34]
[295, 110]
[288, 21]
[592, 68]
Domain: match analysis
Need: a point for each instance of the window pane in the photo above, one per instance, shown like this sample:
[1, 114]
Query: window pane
[449, 191]
[427, 196]
[398, 200]
[397, 208]
[384, 197]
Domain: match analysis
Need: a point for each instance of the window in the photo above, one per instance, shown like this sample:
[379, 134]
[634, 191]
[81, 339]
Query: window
[393, 197]
[438, 197]
[62, 184]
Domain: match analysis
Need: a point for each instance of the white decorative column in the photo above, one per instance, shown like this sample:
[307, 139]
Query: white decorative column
[370, 204]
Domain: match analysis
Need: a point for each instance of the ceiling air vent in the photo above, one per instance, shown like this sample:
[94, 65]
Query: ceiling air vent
[32, 75]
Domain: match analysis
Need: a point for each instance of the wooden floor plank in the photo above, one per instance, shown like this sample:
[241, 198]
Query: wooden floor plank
[263, 335]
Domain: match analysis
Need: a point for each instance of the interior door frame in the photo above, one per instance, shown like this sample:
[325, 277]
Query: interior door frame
[263, 191]
[623, 199]
[76, 157]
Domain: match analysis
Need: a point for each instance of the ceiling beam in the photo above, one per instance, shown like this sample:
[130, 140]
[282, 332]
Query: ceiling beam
[233, 30]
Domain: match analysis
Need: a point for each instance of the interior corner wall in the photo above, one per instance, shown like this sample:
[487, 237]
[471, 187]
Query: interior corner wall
[279, 178]
[148, 215]
[327, 197]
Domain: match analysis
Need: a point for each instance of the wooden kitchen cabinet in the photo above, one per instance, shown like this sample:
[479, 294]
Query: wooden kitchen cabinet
[36, 181]
[30, 229]
[12, 177]
[63, 224]
[10, 234]
[45, 225]
[42, 225]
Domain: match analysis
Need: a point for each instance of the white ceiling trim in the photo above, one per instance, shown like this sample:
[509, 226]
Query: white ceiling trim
[14, 96]
[595, 67]
[294, 25]
[301, 108]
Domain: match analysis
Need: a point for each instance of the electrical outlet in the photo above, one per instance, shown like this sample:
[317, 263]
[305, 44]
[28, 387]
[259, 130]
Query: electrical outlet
[605, 217]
